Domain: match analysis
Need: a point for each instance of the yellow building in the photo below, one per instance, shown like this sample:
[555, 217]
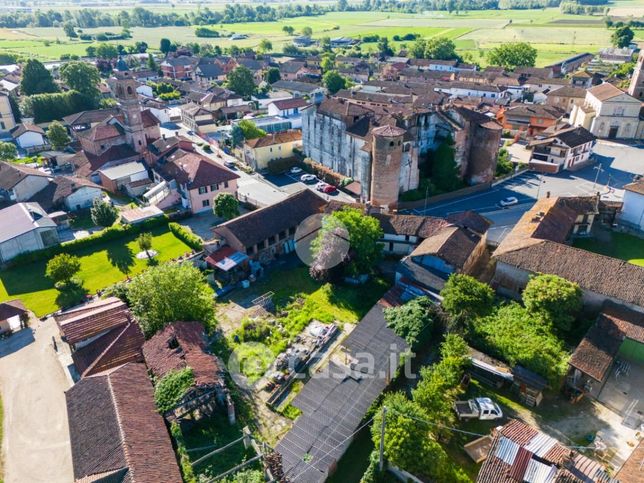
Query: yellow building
[7, 121]
[259, 152]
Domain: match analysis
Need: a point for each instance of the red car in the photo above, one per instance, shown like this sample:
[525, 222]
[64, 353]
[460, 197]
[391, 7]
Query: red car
[328, 189]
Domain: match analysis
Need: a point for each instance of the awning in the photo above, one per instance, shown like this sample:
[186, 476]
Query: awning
[226, 258]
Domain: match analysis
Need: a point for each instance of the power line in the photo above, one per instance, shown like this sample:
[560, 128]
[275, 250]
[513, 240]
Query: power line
[450, 428]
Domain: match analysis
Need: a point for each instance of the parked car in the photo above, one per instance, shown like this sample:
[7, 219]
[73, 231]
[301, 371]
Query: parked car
[509, 201]
[308, 178]
[295, 170]
[482, 408]
[229, 164]
[328, 189]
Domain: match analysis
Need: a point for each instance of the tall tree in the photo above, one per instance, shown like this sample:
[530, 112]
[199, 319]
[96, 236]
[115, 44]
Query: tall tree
[165, 46]
[554, 299]
[170, 292]
[144, 241]
[57, 135]
[622, 36]
[241, 81]
[226, 206]
[445, 172]
[68, 28]
[82, 77]
[62, 268]
[333, 81]
[288, 30]
[272, 75]
[103, 213]
[307, 31]
[440, 48]
[8, 151]
[512, 55]
[36, 79]
[265, 46]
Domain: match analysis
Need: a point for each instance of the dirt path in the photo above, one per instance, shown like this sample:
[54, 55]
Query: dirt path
[35, 444]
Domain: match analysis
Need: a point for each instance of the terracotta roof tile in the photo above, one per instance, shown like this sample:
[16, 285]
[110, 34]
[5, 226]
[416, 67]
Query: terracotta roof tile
[92, 319]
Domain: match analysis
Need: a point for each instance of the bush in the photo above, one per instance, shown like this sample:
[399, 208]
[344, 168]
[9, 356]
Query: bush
[206, 32]
[171, 388]
[48, 107]
[186, 236]
[252, 331]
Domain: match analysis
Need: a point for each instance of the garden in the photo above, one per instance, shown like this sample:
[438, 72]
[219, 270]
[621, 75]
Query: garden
[621, 245]
[101, 264]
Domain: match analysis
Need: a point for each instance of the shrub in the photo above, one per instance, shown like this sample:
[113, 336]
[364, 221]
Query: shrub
[171, 388]
[186, 236]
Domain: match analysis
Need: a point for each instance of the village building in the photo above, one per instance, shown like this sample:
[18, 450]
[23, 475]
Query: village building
[632, 214]
[115, 430]
[608, 112]
[68, 193]
[131, 178]
[636, 86]
[19, 182]
[179, 68]
[268, 232]
[25, 227]
[13, 315]
[183, 345]
[28, 136]
[529, 119]
[7, 118]
[566, 97]
[519, 452]
[377, 142]
[289, 109]
[566, 149]
[259, 152]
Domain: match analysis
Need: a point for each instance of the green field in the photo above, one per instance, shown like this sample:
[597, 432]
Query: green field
[554, 34]
[101, 266]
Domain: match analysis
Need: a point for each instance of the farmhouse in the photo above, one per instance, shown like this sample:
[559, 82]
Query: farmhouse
[115, 430]
[25, 227]
[178, 346]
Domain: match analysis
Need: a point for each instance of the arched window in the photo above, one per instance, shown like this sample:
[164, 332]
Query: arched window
[129, 90]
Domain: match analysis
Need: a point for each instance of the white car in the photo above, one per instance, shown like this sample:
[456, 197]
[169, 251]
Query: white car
[509, 201]
[296, 170]
[308, 178]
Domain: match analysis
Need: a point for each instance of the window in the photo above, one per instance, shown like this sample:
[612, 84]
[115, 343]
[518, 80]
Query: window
[214, 187]
[205, 203]
[203, 190]
[225, 184]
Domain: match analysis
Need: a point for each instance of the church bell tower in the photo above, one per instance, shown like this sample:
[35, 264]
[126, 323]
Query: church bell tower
[123, 86]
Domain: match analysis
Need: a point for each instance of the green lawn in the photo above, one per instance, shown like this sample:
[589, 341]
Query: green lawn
[622, 246]
[101, 266]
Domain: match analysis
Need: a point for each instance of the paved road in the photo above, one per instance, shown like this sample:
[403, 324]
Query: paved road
[616, 166]
[35, 446]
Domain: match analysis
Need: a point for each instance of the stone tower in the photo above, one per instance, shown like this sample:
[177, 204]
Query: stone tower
[636, 89]
[386, 157]
[123, 87]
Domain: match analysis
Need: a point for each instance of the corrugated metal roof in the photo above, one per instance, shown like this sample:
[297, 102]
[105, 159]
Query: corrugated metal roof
[507, 450]
[539, 473]
[540, 444]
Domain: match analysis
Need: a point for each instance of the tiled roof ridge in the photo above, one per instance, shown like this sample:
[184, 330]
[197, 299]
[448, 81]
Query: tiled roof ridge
[117, 413]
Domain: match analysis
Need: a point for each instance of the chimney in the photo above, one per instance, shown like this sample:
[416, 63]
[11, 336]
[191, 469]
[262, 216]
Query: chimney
[547, 194]
[163, 135]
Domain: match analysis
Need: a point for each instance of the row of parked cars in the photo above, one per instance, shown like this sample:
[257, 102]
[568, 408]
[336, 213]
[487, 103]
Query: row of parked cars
[321, 186]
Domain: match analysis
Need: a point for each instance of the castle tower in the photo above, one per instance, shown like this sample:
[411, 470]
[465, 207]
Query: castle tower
[123, 87]
[636, 89]
[386, 157]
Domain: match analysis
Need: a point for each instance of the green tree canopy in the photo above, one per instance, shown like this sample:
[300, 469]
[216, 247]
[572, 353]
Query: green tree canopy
[333, 81]
[69, 30]
[172, 387]
[57, 135]
[554, 299]
[512, 55]
[107, 51]
[463, 295]
[63, 267]
[236, 135]
[412, 321]
[622, 36]
[170, 292]
[265, 46]
[103, 213]
[241, 81]
[272, 75]
[250, 130]
[165, 46]
[440, 48]
[307, 31]
[288, 30]
[445, 172]
[81, 77]
[8, 151]
[226, 206]
[36, 79]
[144, 241]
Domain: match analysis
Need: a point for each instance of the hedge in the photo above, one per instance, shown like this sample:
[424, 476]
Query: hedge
[112, 233]
[186, 236]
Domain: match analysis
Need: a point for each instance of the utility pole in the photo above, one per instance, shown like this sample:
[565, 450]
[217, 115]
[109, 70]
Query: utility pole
[382, 438]
[599, 170]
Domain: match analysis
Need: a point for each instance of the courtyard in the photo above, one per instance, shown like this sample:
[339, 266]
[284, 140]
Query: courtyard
[614, 244]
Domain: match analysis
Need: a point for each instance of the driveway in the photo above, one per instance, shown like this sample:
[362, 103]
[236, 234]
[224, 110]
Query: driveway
[35, 446]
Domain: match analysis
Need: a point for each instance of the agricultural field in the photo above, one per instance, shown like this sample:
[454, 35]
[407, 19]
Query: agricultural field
[554, 34]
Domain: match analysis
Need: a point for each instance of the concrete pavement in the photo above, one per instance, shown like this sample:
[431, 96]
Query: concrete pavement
[35, 445]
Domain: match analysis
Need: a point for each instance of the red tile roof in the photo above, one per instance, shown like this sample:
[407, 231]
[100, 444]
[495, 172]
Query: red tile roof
[293, 103]
[119, 346]
[115, 429]
[180, 345]
[195, 170]
[633, 469]
[92, 319]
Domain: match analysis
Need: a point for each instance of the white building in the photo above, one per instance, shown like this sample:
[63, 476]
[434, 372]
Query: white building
[25, 227]
[28, 135]
[633, 210]
[608, 112]
[567, 149]
[289, 109]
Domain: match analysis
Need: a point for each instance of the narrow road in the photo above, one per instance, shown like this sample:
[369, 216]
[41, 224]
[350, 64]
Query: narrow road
[35, 446]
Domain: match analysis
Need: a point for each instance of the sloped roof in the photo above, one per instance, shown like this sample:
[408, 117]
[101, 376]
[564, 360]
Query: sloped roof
[90, 117]
[23, 128]
[452, 244]
[21, 218]
[92, 319]
[595, 353]
[101, 132]
[275, 138]
[412, 225]
[85, 162]
[11, 308]
[195, 170]
[605, 91]
[293, 103]
[59, 188]
[119, 346]
[636, 187]
[115, 429]
[180, 345]
[13, 173]
[259, 225]
[575, 136]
